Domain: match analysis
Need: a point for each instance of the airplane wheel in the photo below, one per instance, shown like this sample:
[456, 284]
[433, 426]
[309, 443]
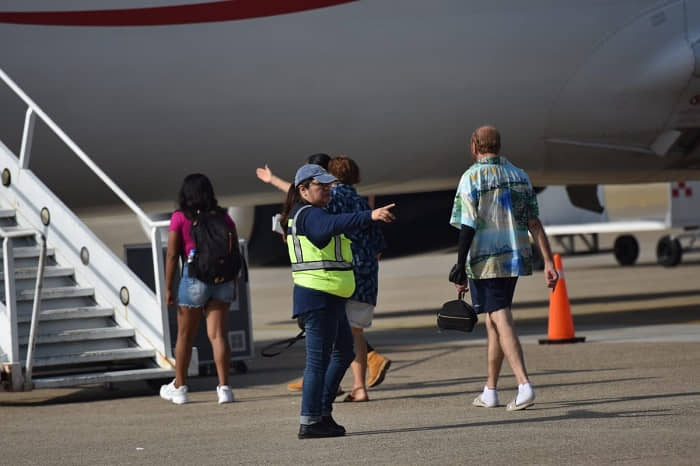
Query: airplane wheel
[669, 251]
[626, 250]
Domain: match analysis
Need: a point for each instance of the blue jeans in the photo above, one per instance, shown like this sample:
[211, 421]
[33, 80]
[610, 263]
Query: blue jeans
[329, 352]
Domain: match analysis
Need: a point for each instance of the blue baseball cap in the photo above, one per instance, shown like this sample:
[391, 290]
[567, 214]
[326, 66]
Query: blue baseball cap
[313, 171]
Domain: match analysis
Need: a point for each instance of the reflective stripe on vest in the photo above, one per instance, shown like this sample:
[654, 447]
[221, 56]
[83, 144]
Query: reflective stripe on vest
[338, 264]
[324, 269]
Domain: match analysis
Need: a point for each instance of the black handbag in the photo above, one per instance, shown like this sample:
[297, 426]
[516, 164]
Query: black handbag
[457, 315]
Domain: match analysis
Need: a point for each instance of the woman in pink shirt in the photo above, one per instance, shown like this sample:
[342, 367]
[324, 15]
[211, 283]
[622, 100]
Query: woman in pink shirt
[195, 297]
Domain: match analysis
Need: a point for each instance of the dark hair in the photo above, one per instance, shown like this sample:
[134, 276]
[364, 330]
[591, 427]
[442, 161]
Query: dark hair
[293, 198]
[345, 169]
[486, 140]
[319, 159]
[196, 193]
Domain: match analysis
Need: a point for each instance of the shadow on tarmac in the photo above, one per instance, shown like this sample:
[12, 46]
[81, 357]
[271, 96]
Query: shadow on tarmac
[459, 383]
[568, 416]
[679, 314]
[289, 365]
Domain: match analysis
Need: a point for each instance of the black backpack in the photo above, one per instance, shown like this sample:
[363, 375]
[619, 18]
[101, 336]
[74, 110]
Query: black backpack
[217, 256]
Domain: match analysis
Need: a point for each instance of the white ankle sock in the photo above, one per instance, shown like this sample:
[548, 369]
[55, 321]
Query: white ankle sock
[525, 393]
[489, 396]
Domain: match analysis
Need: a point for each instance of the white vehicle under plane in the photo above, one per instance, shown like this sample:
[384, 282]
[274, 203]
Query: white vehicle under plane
[575, 229]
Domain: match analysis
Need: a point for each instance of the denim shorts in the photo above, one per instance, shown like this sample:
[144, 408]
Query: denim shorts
[193, 292]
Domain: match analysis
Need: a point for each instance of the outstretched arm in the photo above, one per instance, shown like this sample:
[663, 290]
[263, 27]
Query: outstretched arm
[537, 231]
[266, 176]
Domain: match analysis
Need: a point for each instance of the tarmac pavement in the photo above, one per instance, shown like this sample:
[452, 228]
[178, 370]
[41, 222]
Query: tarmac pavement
[628, 395]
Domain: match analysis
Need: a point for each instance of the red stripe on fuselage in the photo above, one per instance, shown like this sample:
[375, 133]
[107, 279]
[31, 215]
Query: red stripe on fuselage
[229, 10]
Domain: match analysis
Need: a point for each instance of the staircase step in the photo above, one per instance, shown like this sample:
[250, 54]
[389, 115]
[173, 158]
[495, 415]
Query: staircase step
[83, 334]
[15, 228]
[7, 213]
[56, 293]
[102, 377]
[87, 357]
[25, 252]
[68, 313]
[49, 272]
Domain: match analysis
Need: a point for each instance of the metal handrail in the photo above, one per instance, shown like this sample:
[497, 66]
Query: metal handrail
[33, 107]
[153, 227]
[11, 296]
[34, 324]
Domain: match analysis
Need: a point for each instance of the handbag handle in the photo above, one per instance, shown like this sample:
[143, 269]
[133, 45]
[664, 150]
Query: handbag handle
[268, 350]
[460, 295]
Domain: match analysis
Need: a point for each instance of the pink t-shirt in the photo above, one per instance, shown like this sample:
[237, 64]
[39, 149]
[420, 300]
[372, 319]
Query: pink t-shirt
[181, 224]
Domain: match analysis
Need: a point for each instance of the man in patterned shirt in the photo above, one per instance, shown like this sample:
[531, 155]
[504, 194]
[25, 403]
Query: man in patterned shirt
[494, 208]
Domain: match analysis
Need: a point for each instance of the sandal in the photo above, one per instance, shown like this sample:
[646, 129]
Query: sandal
[351, 397]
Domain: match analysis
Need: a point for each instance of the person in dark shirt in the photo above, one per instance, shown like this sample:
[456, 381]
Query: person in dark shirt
[376, 364]
[323, 280]
[367, 245]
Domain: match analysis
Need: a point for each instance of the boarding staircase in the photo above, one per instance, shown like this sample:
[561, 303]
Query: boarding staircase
[71, 312]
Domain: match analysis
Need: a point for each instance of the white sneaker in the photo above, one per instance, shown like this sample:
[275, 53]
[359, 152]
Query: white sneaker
[490, 400]
[176, 395]
[513, 406]
[224, 393]
[526, 401]
[482, 404]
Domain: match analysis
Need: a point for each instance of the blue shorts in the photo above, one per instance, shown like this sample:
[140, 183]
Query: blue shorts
[193, 292]
[492, 294]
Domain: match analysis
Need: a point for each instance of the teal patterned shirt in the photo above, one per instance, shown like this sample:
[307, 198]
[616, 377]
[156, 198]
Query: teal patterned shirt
[496, 199]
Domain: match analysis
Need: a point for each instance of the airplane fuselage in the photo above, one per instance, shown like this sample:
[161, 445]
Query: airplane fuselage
[582, 91]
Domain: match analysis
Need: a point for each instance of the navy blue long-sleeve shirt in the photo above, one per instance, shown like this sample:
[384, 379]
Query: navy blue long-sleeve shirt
[320, 227]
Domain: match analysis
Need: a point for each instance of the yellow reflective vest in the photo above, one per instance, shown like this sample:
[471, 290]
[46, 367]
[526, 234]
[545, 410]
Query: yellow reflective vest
[328, 269]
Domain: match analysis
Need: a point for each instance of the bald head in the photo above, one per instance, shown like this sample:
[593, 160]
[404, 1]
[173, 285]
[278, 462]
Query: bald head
[486, 140]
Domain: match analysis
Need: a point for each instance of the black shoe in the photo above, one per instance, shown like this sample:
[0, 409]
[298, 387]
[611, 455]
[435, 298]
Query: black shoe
[318, 430]
[330, 422]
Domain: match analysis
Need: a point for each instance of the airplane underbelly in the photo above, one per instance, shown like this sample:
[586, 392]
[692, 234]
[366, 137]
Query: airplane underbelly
[625, 90]
[631, 103]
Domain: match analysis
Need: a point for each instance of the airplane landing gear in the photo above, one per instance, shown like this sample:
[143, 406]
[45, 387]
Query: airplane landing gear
[626, 249]
[670, 249]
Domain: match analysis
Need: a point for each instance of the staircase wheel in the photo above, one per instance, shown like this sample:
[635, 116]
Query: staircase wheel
[626, 250]
[669, 251]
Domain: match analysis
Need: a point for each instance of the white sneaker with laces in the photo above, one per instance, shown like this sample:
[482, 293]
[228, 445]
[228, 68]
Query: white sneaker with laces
[225, 394]
[176, 395]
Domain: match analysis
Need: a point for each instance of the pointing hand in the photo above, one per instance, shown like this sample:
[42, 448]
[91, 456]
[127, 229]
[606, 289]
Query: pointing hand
[383, 214]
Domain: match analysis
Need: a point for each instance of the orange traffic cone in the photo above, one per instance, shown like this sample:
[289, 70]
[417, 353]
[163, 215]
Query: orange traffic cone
[561, 324]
